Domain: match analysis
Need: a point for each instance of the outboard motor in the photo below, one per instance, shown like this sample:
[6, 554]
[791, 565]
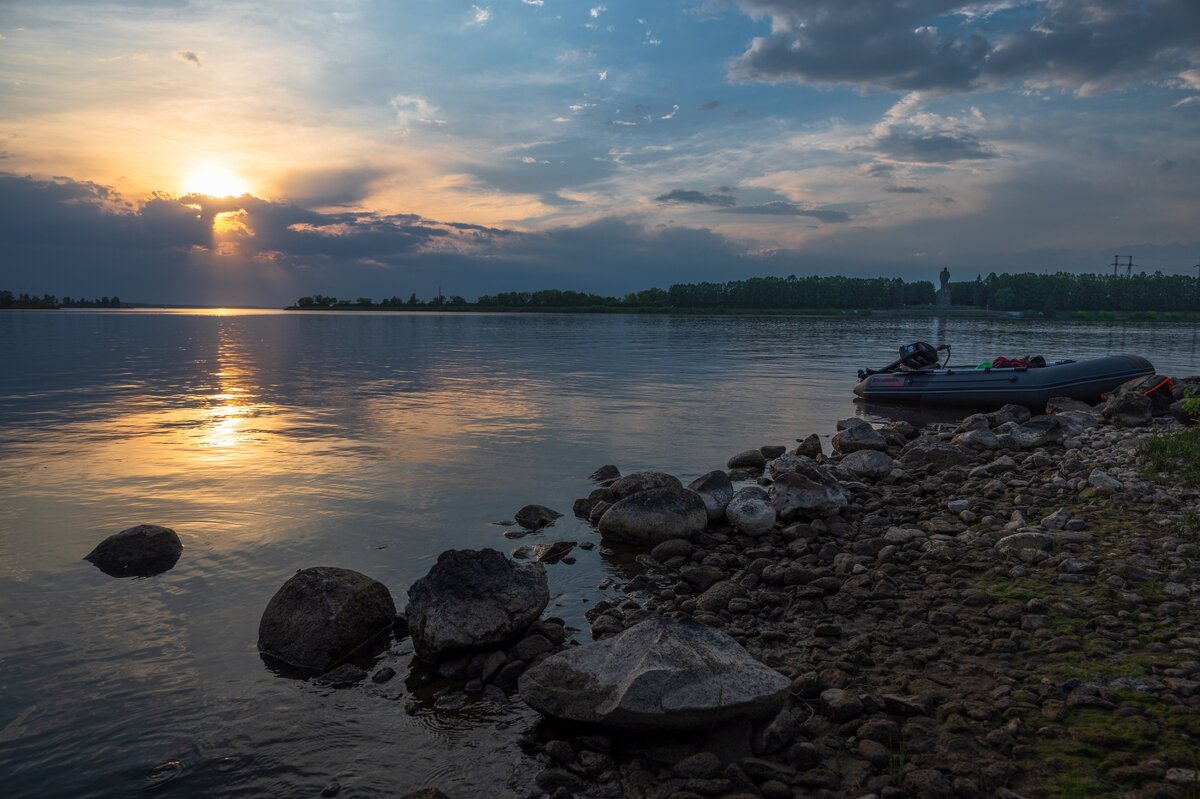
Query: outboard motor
[915, 356]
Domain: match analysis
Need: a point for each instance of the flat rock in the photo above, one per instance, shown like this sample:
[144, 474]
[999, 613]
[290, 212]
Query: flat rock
[140, 551]
[473, 599]
[535, 517]
[658, 675]
[322, 615]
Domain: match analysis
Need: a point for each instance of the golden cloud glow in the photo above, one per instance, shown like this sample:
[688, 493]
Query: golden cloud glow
[214, 180]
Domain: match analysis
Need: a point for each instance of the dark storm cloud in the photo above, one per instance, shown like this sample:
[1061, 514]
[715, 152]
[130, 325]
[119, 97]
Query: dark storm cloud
[783, 208]
[903, 144]
[1086, 45]
[693, 197]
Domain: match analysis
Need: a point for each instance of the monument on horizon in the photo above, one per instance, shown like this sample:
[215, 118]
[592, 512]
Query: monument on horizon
[943, 294]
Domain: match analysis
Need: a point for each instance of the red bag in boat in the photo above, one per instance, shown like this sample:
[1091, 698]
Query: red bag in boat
[1000, 362]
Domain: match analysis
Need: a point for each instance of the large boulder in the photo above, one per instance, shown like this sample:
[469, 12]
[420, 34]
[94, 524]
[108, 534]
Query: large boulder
[658, 675]
[1128, 409]
[322, 615]
[1039, 431]
[868, 464]
[750, 459]
[934, 454]
[473, 599]
[808, 491]
[716, 489]
[808, 447]
[650, 517]
[751, 511]
[638, 482]
[140, 551]
[858, 436]
[535, 517]
[1057, 405]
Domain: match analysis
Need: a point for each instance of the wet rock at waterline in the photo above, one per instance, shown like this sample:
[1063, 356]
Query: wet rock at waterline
[808, 447]
[605, 473]
[535, 517]
[638, 482]
[716, 489]
[858, 436]
[657, 675]
[806, 492]
[322, 615]
[750, 459]
[650, 517]
[473, 599]
[140, 551]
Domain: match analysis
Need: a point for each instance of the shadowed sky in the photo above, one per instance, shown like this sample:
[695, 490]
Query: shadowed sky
[380, 148]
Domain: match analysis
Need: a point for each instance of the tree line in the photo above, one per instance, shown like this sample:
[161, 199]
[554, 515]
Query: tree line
[1063, 291]
[10, 300]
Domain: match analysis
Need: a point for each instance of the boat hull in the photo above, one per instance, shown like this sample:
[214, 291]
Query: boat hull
[987, 388]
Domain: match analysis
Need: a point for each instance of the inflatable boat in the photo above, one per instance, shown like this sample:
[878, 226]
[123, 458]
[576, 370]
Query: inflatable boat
[914, 379]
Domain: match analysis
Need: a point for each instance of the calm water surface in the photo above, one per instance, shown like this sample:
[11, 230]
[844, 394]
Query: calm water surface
[275, 441]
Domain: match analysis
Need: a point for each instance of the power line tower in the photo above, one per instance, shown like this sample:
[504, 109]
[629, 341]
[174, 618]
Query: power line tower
[1129, 267]
[1116, 264]
[1197, 268]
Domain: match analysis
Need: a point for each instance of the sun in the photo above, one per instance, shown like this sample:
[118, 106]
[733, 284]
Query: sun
[214, 180]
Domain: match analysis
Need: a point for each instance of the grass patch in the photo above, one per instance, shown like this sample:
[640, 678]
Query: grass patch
[1174, 455]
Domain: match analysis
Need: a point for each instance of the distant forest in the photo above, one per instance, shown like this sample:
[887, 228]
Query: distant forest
[10, 300]
[1027, 292]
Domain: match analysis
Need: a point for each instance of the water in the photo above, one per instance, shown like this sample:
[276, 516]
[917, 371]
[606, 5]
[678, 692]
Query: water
[274, 441]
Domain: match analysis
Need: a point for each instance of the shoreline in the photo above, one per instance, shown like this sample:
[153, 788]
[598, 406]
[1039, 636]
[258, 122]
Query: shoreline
[981, 621]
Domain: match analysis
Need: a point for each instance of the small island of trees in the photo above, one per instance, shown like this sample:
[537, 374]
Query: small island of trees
[10, 300]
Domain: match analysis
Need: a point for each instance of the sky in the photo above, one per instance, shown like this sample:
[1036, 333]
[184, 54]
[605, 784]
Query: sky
[230, 152]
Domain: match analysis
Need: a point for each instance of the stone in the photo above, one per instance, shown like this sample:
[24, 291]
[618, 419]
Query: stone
[551, 553]
[473, 599]
[1128, 409]
[977, 440]
[322, 615]
[1103, 483]
[1017, 414]
[716, 489]
[674, 548]
[858, 437]
[1028, 539]
[535, 517]
[1057, 405]
[383, 675]
[750, 459]
[650, 517]
[840, 705]
[1039, 431]
[605, 473]
[772, 451]
[976, 421]
[343, 676]
[1057, 520]
[658, 675]
[807, 492]
[751, 512]
[719, 595]
[932, 453]
[140, 551]
[809, 447]
[868, 464]
[637, 482]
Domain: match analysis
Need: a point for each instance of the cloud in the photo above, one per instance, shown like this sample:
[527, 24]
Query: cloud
[538, 3]
[1085, 46]
[1186, 101]
[190, 57]
[330, 186]
[412, 108]
[907, 132]
[692, 197]
[480, 15]
[784, 208]
[671, 115]
[905, 190]
[596, 11]
[603, 74]
[711, 105]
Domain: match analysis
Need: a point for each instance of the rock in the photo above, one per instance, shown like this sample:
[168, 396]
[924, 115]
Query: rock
[1128, 409]
[551, 553]
[535, 517]
[343, 676]
[840, 705]
[1182, 414]
[1057, 405]
[1009, 413]
[638, 482]
[716, 489]
[719, 595]
[1039, 431]
[322, 615]
[868, 464]
[932, 453]
[140, 551]
[772, 451]
[605, 472]
[1057, 520]
[1001, 465]
[651, 517]
[674, 548]
[979, 439]
[751, 512]
[1028, 539]
[383, 675]
[750, 459]
[1103, 483]
[858, 437]
[808, 492]
[658, 675]
[473, 599]
[809, 447]
[976, 421]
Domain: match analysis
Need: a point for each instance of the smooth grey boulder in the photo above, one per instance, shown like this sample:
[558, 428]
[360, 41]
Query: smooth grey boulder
[856, 437]
[638, 482]
[658, 675]
[751, 512]
[808, 492]
[932, 453]
[868, 463]
[716, 489]
[322, 615]
[535, 517]
[650, 517]
[750, 459]
[473, 599]
[140, 551]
